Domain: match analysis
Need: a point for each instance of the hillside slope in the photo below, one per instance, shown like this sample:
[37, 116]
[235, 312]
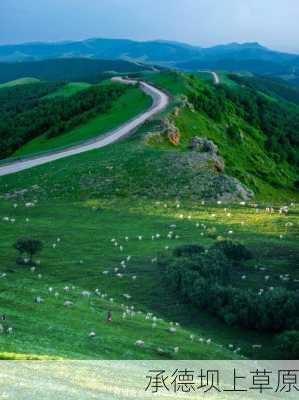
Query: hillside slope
[106, 218]
[80, 69]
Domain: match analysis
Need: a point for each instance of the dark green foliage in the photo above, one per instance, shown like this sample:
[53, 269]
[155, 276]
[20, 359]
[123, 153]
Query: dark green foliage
[279, 121]
[75, 69]
[276, 87]
[34, 116]
[188, 250]
[233, 250]
[287, 345]
[29, 247]
[206, 279]
[21, 98]
[234, 132]
[210, 102]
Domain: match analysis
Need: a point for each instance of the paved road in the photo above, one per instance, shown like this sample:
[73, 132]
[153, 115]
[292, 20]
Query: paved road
[160, 101]
[216, 78]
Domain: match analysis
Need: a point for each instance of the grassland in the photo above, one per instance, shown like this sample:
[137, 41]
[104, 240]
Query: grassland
[69, 89]
[104, 218]
[21, 81]
[79, 249]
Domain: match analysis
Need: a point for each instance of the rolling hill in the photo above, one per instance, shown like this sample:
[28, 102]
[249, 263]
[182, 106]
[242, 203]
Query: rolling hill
[68, 69]
[245, 57]
[153, 51]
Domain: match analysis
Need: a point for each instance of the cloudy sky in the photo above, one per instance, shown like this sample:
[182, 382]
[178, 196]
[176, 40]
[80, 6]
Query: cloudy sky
[273, 23]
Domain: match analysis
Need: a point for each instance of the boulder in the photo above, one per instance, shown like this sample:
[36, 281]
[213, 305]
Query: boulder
[203, 145]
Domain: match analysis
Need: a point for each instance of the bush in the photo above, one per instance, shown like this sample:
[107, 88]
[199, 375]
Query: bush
[287, 345]
[234, 250]
[235, 133]
[28, 247]
[188, 250]
[204, 278]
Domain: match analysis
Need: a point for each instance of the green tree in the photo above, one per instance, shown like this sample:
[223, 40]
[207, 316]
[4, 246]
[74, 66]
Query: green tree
[29, 247]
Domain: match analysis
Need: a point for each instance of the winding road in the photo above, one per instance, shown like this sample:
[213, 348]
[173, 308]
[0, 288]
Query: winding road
[160, 101]
[216, 78]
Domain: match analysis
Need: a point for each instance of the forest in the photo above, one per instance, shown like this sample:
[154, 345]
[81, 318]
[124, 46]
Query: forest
[26, 114]
[72, 69]
[273, 87]
[279, 121]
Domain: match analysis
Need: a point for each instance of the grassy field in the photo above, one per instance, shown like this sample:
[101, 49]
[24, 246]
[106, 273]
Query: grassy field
[105, 218]
[82, 204]
[21, 81]
[69, 89]
[127, 106]
[80, 254]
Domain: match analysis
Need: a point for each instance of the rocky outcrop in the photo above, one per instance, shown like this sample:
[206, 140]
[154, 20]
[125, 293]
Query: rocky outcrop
[207, 152]
[185, 103]
[205, 178]
[171, 131]
[174, 137]
[203, 145]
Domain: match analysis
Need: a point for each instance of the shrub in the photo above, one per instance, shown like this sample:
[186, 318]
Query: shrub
[233, 250]
[234, 132]
[29, 247]
[188, 250]
[287, 345]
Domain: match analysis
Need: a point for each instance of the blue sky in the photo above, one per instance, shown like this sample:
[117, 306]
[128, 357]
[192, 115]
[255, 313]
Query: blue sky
[273, 23]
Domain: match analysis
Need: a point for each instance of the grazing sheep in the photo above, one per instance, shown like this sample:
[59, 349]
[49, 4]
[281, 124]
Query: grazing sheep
[68, 303]
[85, 293]
[139, 343]
[92, 334]
[39, 300]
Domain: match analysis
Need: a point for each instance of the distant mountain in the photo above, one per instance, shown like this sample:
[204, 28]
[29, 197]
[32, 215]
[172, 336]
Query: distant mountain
[67, 69]
[247, 57]
[151, 52]
[234, 57]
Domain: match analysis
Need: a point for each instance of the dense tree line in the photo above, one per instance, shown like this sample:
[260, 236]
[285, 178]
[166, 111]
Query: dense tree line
[52, 117]
[206, 279]
[67, 69]
[272, 87]
[279, 121]
[21, 98]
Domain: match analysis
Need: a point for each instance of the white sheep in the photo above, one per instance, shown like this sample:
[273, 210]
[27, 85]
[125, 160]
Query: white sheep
[68, 303]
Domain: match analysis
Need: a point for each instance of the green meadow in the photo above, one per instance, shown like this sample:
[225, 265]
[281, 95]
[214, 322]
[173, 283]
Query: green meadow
[106, 217]
[21, 81]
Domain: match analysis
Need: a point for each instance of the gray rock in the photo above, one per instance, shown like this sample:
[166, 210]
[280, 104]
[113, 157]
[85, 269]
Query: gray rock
[203, 145]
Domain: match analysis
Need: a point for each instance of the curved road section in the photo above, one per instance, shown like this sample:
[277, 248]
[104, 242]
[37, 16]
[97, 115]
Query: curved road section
[216, 78]
[160, 101]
